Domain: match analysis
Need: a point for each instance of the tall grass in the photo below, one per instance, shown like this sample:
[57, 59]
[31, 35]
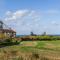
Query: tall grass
[42, 51]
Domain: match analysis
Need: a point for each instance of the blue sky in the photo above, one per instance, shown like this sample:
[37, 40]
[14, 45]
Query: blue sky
[25, 16]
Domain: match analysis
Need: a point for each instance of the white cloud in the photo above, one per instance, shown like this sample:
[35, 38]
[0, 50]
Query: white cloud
[55, 23]
[53, 11]
[25, 21]
[15, 15]
[8, 13]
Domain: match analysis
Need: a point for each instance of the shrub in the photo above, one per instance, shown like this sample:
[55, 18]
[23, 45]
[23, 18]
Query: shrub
[8, 40]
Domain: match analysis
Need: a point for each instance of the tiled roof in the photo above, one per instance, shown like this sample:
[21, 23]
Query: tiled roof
[7, 30]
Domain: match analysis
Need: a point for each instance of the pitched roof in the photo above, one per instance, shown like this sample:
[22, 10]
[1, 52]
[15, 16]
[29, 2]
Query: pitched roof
[7, 30]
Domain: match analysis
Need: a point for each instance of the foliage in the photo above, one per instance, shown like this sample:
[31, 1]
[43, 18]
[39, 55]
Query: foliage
[41, 38]
[8, 40]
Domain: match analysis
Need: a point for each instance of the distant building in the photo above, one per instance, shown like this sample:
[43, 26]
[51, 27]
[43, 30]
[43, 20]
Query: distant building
[6, 33]
[44, 33]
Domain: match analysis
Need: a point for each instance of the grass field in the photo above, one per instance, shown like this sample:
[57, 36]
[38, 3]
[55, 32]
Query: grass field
[32, 50]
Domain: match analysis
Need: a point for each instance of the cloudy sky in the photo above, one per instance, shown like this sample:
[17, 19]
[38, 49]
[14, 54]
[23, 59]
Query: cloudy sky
[25, 16]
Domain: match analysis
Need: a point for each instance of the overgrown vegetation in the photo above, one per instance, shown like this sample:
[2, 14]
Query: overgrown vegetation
[9, 42]
[40, 38]
[43, 50]
[31, 50]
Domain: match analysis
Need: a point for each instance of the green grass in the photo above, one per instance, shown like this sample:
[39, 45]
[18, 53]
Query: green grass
[44, 49]
[52, 45]
[48, 45]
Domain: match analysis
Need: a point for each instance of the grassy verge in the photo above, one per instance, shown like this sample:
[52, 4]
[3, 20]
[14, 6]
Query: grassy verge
[37, 50]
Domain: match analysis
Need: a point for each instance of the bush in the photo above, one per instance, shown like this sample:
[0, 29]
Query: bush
[8, 40]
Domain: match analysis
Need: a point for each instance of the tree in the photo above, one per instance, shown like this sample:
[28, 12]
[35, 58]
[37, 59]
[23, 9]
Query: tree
[32, 33]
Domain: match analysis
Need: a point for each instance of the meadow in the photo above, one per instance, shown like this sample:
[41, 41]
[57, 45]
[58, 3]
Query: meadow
[32, 50]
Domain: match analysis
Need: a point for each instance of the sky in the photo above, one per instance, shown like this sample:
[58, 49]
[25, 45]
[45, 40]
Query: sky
[37, 16]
